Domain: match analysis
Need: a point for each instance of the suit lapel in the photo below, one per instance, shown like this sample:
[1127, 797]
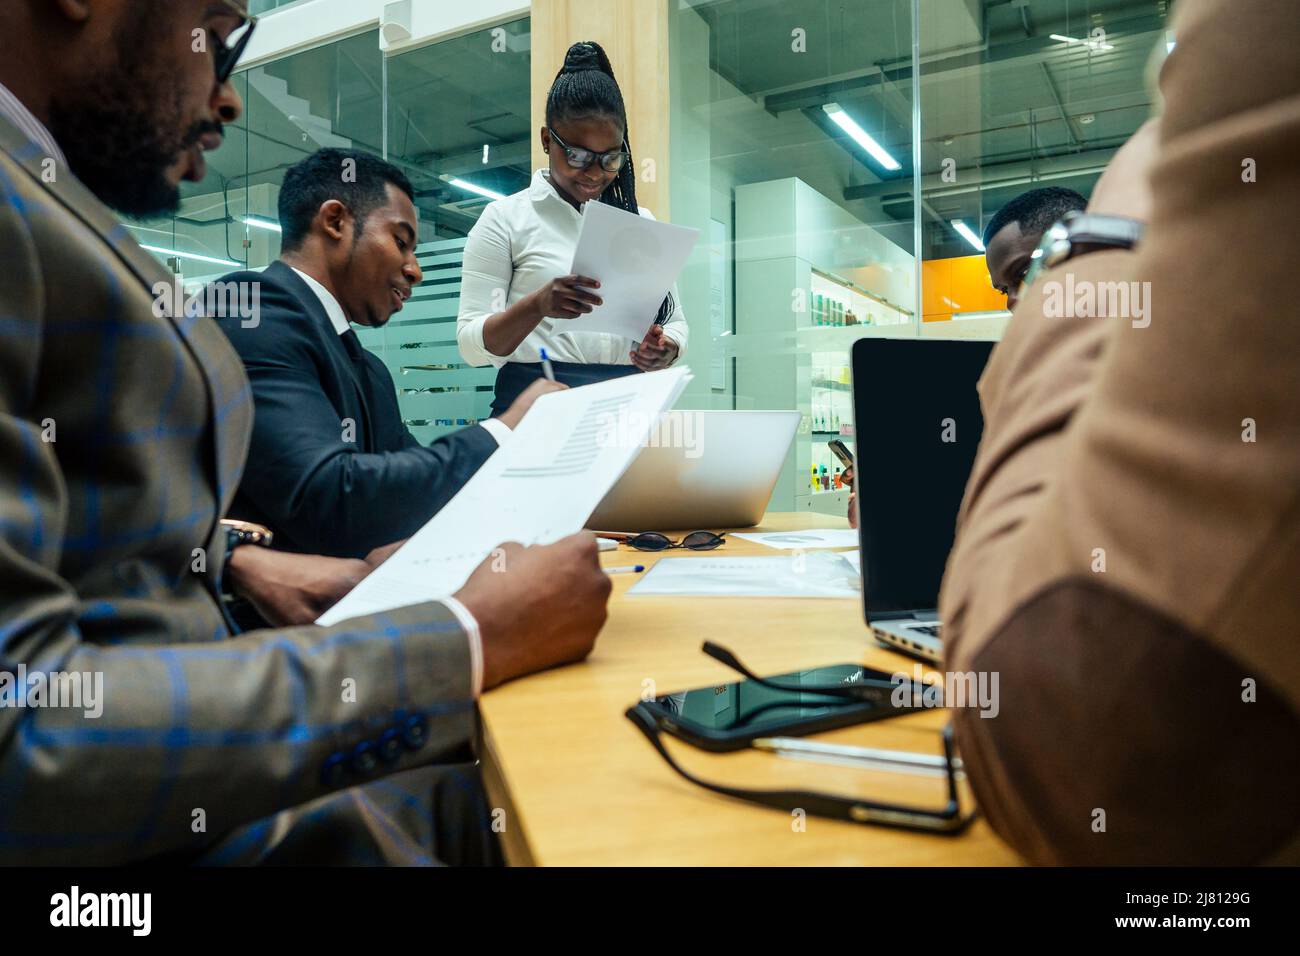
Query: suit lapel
[334, 342]
[226, 384]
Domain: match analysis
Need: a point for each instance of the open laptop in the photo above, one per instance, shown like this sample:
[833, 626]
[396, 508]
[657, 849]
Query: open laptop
[707, 470]
[909, 395]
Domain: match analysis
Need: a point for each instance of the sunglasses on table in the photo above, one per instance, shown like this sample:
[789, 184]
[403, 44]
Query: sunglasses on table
[654, 541]
[611, 161]
[226, 53]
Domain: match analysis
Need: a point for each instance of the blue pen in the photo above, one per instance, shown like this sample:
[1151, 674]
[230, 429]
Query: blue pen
[546, 367]
[628, 569]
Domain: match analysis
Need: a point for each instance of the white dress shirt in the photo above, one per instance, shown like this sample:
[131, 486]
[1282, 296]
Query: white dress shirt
[519, 244]
[496, 428]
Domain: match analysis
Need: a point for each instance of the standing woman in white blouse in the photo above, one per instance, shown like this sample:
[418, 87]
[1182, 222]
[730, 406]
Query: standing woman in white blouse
[516, 294]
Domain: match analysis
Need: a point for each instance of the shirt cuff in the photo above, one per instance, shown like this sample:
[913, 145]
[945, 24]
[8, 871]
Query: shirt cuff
[470, 627]
[497, 429]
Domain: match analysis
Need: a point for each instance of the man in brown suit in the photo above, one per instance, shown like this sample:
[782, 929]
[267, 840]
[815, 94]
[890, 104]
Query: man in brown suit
[1128, 551]
[124, 428]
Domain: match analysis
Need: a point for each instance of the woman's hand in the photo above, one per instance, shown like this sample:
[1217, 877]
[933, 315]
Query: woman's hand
[656, 350]
[566, 297]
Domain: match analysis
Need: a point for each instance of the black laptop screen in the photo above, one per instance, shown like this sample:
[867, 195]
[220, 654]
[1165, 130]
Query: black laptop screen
[917, 425]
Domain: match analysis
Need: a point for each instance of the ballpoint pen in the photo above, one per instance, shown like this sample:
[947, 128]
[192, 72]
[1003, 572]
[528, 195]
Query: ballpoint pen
[898, 761]
[546, 367]
[626, 569]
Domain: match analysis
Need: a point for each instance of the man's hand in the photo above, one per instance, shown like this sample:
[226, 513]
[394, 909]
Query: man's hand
[381, 554]
[291, 589]
[537, 607]
[655, 351]
[513, 415]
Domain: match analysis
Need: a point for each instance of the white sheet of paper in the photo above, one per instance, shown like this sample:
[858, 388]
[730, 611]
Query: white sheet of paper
[822, 574]
[636, 261]
[540, 486]
[805, 540]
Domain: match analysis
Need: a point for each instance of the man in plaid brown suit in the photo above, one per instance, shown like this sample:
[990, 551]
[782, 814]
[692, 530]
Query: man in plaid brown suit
[123, 435]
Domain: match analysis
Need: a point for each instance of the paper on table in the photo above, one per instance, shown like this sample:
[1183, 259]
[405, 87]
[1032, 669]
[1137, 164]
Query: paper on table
[540, 486]
[635, 259]
[813, 538]
[820, 574]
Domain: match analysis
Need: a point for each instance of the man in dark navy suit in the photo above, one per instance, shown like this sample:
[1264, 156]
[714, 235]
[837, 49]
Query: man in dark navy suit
[332, 468]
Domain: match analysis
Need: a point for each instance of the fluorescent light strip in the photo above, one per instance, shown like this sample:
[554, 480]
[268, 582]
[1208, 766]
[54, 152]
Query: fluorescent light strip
[965, 232]
[470, 187]
[262, 223]
[1095, 44]
[860, 136]
[191, 255]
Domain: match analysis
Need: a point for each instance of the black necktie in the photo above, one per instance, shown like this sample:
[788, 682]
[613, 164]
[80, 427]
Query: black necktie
[365, 379]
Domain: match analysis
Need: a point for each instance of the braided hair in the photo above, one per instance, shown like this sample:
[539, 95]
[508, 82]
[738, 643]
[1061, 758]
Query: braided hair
[583, 88]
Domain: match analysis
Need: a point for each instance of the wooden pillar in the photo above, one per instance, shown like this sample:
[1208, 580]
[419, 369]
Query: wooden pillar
[635, 35]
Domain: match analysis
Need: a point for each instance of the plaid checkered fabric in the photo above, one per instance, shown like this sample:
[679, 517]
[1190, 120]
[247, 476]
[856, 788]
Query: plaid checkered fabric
[123, 435]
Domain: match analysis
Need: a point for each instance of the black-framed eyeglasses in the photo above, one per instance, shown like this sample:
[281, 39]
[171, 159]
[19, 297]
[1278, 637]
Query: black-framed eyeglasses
[880, 692]
[579, 158]
[695, 541]
[226, 53]
[947, 819]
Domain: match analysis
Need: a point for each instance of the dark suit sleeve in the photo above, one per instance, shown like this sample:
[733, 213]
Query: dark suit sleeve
[304, 478]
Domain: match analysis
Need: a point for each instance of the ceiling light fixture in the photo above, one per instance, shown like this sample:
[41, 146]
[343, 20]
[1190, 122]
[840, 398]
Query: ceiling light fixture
[860, 136]
[965, 232]
[190, 255]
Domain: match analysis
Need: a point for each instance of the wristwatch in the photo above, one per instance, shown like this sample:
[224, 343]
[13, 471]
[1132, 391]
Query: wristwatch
[245, 532]
[238, 534]
[1079, 233]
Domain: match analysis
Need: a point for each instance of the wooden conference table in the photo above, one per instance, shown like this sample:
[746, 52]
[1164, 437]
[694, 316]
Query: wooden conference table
[581, 786]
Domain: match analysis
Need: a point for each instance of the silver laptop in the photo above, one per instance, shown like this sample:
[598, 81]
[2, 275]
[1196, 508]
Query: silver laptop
[917, 425]
[708, 470]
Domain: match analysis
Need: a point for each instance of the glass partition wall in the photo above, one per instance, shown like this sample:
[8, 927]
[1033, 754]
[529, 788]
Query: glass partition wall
[840, 158]
[454, 116]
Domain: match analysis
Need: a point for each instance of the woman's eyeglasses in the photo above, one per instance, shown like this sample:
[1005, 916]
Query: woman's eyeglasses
[577, 157]
[695, 541]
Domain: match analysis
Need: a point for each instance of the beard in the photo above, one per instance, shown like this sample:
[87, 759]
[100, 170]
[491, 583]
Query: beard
[124, 127]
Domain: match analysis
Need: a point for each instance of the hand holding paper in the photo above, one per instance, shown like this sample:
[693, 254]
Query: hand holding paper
[539, 487]
[636, 259]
